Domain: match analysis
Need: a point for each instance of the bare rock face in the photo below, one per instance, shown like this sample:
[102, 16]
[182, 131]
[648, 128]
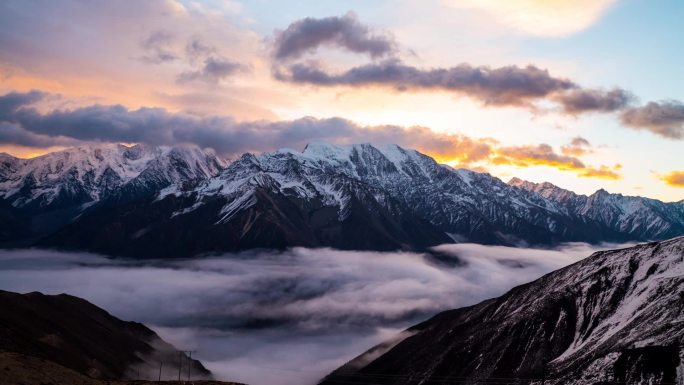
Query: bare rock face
[617, 316]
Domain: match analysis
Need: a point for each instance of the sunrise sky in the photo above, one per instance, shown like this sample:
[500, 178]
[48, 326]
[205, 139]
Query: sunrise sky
[585, 94]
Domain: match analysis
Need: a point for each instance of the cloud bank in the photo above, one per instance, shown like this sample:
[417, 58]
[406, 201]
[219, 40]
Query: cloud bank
[21, 122]
[507, 86]
[284, 318]
[504, 86]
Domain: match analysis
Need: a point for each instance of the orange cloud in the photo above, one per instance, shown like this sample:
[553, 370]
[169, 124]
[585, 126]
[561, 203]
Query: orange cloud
[674, 178]
[545, 155]
[578, 146]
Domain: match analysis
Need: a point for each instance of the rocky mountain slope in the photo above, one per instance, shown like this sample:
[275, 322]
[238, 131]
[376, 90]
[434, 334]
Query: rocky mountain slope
[73, 334]
[642, 218]
[615, 317]
[50, 190]
[181, 202]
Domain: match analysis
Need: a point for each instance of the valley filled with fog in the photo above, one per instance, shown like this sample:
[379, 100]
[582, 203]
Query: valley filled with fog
[267, 318]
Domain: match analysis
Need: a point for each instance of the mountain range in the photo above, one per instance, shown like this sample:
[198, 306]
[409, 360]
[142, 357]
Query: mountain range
[146, 202]
[613, 318]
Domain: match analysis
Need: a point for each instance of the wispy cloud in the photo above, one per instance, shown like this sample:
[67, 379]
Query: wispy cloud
[213, 70]
[545, 155]
[546, 18]
[578, 146]
[578, 101]
[661, 118]
[157, 48]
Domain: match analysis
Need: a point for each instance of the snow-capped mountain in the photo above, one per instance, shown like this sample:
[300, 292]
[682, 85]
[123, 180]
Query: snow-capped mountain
[642, 218]
[615, 317]
[86, 174]
[352, 197]
[273, 200]
[39, 195]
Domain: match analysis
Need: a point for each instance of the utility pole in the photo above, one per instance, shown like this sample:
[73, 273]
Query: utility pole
[189, 364]
[161, 363]
[189, 353]
[180, 363]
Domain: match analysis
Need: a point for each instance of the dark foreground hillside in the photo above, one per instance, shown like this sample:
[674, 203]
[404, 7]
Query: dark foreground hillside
[615, 317]
[61, 339]
[20, 369]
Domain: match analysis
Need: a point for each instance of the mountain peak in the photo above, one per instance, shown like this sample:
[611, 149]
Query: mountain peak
[81, 174]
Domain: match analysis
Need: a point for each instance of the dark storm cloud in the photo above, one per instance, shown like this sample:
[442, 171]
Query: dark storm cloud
[661, 118]
[14, 133]
[579, 101]
[504, 86]
[345, 32]
[213, 70]
[10, 102]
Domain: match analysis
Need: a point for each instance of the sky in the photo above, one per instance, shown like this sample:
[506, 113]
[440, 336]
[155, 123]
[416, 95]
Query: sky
[584, 94]
[288, 318]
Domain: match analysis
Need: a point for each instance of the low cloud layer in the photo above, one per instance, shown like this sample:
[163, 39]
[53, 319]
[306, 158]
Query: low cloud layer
[287, 317]
[22, 123]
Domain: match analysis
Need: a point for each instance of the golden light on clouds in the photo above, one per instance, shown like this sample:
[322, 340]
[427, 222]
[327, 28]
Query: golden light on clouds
[485, 153]
[27, 152]
[674, 178]
[548, 18]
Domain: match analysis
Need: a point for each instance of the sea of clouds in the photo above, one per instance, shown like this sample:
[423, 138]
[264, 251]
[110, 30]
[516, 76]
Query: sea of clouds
[280, 318]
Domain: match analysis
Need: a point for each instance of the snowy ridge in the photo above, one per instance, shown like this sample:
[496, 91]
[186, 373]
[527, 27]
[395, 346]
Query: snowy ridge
[354, 196]
[626, 214]
[615, 317]
[334, 174]
[84, 174]
[464, 204]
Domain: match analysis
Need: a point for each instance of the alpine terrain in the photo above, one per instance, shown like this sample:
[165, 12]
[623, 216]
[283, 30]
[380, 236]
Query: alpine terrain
[615, 317]
[175, 202]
